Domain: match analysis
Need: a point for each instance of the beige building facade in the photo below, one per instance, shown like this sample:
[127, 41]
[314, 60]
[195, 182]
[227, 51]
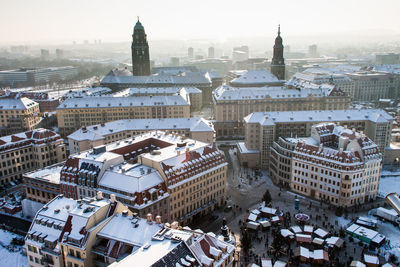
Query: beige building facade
[336, 165]
[27, 151]
[77, 112]
[18, 115]
[263, 128]
[232, 104]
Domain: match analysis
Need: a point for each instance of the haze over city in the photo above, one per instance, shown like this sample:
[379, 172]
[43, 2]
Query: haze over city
[47, 21]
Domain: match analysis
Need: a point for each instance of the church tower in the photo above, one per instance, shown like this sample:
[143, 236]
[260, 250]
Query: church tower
[278, 62]
[140, 51]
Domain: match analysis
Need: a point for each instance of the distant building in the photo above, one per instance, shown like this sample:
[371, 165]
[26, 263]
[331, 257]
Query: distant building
[174, 61]
[59, 54]
[312, 51]
[252, 64]
[390, 58]
[370, 86]
[102, 134]
[240, 53]
[18, 115]
[97, 110]
[190, 52]
[27, 151]
[44, 54]
[263, 128]
[211, 52]
[36, 76]
[140, 51]
[278, 62]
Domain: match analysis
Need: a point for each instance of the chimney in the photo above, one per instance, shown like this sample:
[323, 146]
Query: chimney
[158, 219]
[149, 217]
[112, 198]
[99, 195]
[125, 213]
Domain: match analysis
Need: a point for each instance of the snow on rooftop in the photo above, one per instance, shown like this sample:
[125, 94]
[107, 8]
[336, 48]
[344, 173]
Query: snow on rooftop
[131, 178]
[271, 118]
[227, 93]
[112, 102]
[50, 174]
[98, 131]
[13, 104]
[255, 77]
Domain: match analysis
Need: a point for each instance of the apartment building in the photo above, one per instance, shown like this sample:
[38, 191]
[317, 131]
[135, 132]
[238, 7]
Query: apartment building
[102, 134]
[18, 115]
[154, 172]
[27, 151]
[44, 184]
[64, 230]
[232, 104]
[335, 164]
[263, 128]
[103, 232]
[77, 112]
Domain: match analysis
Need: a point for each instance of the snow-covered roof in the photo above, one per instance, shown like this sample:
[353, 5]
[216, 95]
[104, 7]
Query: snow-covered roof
[371, 259]
[130, 178]
[186, 78]
[35, 136]
[320, 232]
[271, 118]
[99, 131]
[13, 104]
[229, 93]
[255, 77]
[50, 174]
[134, 91]
[106, 102]
[252, 217]
[123, 228]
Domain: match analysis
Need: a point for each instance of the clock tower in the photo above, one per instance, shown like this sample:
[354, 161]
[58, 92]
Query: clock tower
[278, 62]
[140, 51]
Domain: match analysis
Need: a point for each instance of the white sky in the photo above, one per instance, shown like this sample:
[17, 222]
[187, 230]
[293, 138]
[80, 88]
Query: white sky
[39, 21]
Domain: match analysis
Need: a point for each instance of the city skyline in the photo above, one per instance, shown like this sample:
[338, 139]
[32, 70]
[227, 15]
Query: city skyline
[30, 23]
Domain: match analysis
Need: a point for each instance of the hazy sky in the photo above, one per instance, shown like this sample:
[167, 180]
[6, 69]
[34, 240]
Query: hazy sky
[40, 21]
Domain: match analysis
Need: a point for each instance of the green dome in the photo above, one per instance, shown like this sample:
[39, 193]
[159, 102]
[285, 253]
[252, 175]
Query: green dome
[139, 26]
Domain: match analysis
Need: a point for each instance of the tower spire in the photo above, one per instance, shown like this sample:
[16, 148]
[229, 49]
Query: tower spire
[137, 18]
[279, 28]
